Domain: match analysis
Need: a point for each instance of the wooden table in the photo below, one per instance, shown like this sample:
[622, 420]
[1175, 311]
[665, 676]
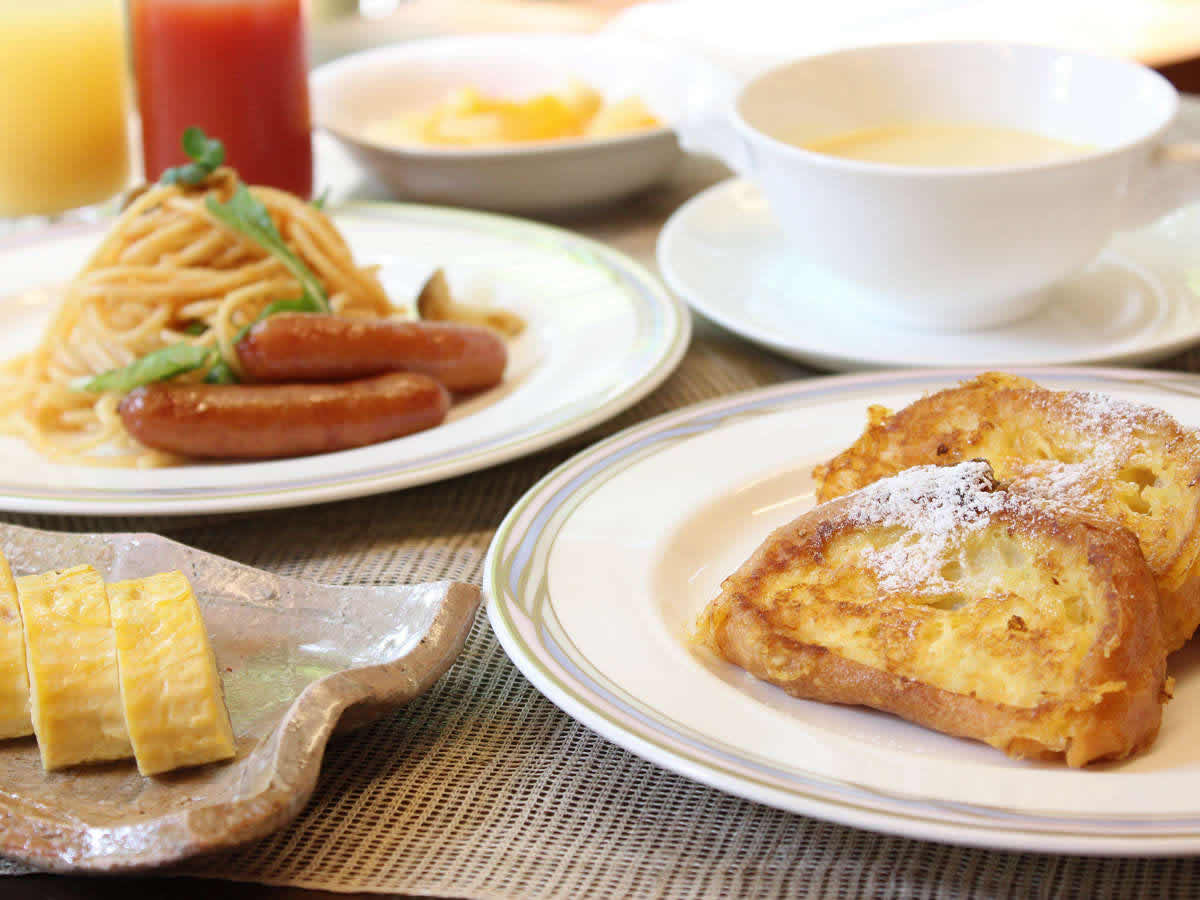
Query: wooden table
[630, 228]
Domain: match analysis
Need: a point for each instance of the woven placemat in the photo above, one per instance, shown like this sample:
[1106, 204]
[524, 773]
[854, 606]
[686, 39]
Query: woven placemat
[483, 788]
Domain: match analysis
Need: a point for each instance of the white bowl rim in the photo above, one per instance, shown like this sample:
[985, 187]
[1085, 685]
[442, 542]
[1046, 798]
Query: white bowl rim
[325, 74]
[896, 170]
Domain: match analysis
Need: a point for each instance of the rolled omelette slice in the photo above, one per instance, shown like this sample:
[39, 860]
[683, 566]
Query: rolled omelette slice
[14, 677]
[170, 686]
[75, 693]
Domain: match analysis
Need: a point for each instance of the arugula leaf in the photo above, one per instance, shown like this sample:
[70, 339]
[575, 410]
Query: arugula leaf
[200, 147]
[320, 201]
[195, 329]
[176, 359]
[166, 362]
[244, 213]
[206, 153]
[221, 373]
[296, 304]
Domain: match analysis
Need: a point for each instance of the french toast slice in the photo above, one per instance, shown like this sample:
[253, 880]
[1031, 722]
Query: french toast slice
[949, 601]
[1133, 463]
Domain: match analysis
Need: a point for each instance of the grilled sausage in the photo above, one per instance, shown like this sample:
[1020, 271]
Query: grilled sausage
[330, 348]
[232, 421]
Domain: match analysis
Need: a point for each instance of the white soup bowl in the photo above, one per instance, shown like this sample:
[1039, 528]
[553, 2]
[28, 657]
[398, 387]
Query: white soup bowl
[954, 247]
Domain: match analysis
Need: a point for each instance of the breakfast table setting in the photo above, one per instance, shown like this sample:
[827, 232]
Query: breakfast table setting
[458, 658]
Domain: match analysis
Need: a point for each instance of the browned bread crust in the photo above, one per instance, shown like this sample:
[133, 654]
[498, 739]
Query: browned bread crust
[943, 599]
[1133, 463]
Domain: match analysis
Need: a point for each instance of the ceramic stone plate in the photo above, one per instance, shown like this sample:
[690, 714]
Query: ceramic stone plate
[602, 333]
[595, 579]
[298, 661]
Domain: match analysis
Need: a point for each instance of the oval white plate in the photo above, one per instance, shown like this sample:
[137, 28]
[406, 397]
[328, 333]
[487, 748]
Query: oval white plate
[536, 177]
[602, 333]
[594, 580]
[723, 252]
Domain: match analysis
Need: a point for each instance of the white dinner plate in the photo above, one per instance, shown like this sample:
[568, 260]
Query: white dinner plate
[595, 578]
[602, 333]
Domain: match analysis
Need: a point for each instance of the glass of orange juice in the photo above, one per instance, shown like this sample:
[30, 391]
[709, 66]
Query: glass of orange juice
[64, 105]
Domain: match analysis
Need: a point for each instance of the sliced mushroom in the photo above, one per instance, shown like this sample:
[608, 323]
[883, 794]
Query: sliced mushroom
[435, 303]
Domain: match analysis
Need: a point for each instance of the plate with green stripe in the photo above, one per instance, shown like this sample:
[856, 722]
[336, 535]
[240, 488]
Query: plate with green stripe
[596, 577]
[602, 332]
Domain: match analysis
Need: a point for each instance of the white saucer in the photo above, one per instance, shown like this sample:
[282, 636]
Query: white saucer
[723, 252]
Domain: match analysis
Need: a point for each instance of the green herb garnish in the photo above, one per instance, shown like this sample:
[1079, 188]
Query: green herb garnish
[296, 304]
[320, 201]
[221, 373]
[206, 155]
[177, 359]
[166, 362]
[244, 213]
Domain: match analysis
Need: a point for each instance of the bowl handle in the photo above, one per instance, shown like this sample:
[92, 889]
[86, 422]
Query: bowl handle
[709, 126]
[1171, 179]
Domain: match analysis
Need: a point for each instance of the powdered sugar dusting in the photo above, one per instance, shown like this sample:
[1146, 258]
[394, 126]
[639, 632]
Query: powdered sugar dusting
[1100, 414]
[1108, 432]
[930, 499]
[1070, 456]
[1074, 484]
[935, 507]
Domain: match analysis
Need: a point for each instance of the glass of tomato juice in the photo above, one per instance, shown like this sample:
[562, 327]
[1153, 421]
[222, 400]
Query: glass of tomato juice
[237, 69]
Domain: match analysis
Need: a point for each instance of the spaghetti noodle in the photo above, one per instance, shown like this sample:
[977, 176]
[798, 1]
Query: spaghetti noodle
[168, 272]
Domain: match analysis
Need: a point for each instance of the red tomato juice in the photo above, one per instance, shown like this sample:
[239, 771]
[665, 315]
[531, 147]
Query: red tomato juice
[236, 68]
